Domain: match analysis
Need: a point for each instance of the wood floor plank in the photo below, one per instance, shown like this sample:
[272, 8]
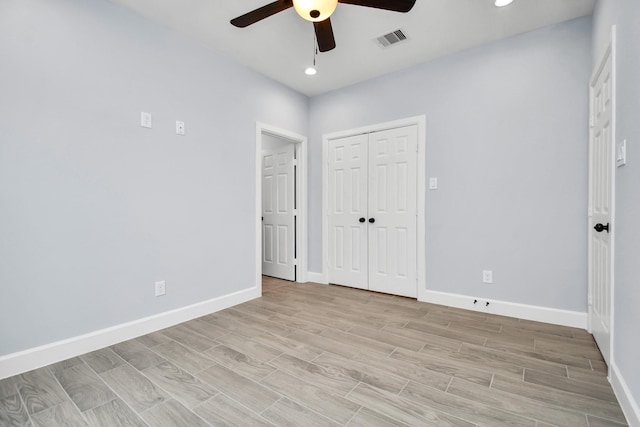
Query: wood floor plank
[13, 413]
[8, 387]
[134, 388]
[240, 362]
[553, 396]
[103, 360]
[139, 356]
[287, 413]
[445, 366]
[431, 342]
[402, 409]
[470, 410]
[172, 414]
[251, 348]
[496, 358]
[388, 338]
[516, 404]
[186, 336]
[331, 405]
[225, 412]
[181, 385]
[366, 344]
[84, 387]
[326, 344]
[114, 413]
[205, 329]
[406, 370]
[253, 395]
[367, 418]
[40, 390]
[595, 391]
[362, 372]
[63, 415]
[601, 422]
[153, 339]
[330, 379]
[187, 359]
[446, 333]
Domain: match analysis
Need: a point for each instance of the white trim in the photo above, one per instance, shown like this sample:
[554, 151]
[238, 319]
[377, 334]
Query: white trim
[421, 123]
[23, 361]
[628, 404]
[301, 196]
[317, 278]
[554, 316]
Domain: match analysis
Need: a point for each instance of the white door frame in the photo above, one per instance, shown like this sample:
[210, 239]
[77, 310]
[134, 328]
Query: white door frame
[421, 123]
[301, 197]
[610, 50]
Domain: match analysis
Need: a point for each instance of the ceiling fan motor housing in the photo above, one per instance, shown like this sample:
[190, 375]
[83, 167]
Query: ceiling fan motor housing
[315, 10]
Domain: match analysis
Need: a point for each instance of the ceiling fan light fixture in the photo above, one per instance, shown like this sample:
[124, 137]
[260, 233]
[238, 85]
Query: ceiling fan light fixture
[310, 71]
[502, 3]
[315, 10]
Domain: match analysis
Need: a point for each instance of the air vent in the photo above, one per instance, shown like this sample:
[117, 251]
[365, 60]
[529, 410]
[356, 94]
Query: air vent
[392, 38]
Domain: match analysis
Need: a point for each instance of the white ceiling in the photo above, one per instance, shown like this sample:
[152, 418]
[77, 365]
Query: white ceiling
[281, 46]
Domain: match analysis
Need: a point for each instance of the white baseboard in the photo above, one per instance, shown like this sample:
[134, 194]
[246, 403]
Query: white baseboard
[625, 398]
[522, 311]
[317, 278]
[23, 361]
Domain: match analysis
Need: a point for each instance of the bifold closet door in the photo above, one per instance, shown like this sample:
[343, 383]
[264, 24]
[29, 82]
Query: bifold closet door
[372, 211]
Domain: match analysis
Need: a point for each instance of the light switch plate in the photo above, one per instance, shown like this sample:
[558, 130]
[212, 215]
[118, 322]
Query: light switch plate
[433, 183]
[145, 120]
[621, 153]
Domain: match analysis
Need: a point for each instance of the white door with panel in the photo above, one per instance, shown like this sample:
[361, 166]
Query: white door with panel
[372, 211]
[601, 179]
[278, 215]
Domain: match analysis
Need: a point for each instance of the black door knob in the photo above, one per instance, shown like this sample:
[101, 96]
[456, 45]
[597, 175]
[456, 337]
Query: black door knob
[362, 220]
[372, 220]
[600, 228]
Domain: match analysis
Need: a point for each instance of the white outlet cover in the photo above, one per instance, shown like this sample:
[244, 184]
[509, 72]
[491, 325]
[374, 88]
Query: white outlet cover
[180, 127]
[161, 288]
[487, 276]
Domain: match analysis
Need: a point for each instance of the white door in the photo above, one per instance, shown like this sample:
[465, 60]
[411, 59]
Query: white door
[392, 211]
[601, 178]
[348, 161]
[278, 220]
[372, 211]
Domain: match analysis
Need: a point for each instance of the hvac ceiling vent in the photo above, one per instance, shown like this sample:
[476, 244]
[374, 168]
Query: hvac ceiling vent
[392, 38]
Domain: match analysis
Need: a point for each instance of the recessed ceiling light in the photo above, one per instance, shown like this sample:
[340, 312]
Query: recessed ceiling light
[502, 3]
[310, 71]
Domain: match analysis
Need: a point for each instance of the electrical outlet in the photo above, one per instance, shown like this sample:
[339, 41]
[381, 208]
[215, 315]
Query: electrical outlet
[179, 127]
[487, 276]
[433, 183]
[161, 288]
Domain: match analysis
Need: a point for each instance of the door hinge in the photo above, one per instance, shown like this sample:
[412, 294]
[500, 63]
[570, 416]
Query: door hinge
[295, 162]
[295, 261]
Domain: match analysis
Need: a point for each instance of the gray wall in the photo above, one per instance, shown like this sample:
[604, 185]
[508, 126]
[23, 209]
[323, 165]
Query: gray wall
[94, 208]
[507, 136]
[625, 14]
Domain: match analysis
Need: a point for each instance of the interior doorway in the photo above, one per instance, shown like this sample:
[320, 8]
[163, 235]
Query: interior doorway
[281, 204]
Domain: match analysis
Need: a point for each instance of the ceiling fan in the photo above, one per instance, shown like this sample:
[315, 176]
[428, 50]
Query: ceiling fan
[318, 12]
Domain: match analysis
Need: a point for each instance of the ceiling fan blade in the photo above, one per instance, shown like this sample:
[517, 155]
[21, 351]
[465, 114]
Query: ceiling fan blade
[324, 35]
[261, 13]
[393, 5]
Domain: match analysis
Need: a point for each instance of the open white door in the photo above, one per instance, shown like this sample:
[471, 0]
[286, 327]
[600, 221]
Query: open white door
[601, 201]
[278, 221]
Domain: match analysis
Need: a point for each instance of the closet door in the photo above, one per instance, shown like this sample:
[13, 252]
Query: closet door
[372, 211]
[392, 209]
[347, 211]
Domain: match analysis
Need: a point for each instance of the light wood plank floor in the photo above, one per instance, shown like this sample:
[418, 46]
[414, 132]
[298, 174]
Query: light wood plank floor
[316, 355]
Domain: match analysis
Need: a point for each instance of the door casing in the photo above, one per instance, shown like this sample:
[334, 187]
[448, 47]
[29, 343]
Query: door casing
[300, 142]
[421, 123]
